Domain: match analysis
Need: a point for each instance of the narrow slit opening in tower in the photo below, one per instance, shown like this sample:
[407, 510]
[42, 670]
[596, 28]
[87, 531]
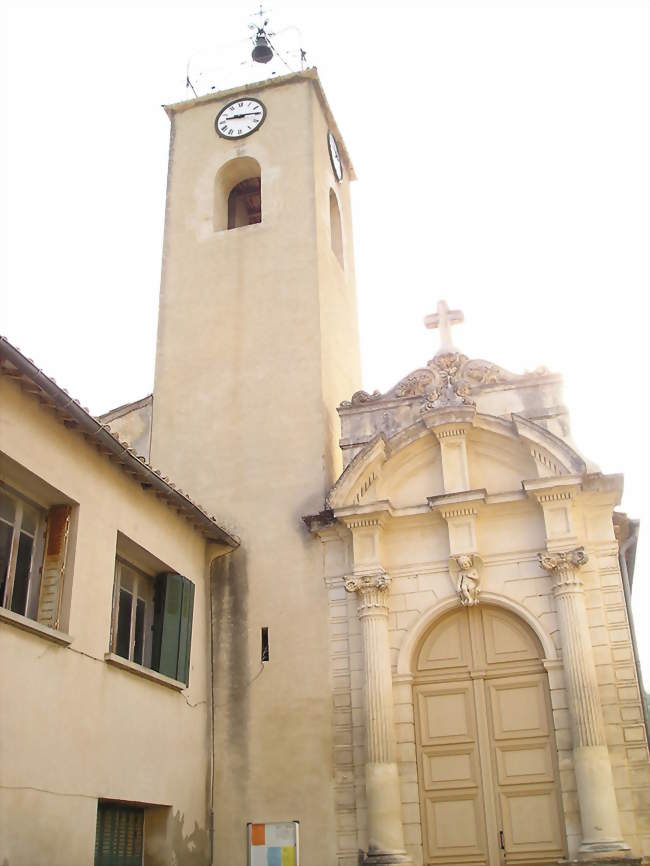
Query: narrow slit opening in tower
[245, 203]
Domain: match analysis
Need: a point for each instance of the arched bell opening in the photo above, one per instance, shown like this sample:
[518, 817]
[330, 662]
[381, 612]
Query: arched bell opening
[238, 194]
[336, 231]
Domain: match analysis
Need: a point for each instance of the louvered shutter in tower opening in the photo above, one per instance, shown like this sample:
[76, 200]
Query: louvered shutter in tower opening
[56, 546]
[119, 835]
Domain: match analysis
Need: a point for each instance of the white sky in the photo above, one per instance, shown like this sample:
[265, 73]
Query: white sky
[502, 155]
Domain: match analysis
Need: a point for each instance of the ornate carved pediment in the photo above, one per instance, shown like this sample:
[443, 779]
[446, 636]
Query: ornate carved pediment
[449, 379]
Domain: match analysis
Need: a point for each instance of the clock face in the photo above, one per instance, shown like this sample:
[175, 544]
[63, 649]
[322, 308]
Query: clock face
[335, 159]
[240, 118]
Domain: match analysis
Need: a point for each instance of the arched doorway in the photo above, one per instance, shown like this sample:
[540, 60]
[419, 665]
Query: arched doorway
[487, 760]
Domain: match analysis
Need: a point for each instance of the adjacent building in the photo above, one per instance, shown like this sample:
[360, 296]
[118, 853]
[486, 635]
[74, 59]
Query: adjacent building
[105, 640]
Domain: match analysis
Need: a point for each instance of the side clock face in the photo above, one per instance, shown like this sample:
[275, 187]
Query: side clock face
[240, 118]
[335, 159]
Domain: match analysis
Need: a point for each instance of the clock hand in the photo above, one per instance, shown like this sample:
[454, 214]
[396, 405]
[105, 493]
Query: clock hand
[247, 114]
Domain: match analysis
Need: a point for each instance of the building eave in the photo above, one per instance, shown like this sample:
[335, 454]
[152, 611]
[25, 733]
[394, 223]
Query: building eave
[70, 412]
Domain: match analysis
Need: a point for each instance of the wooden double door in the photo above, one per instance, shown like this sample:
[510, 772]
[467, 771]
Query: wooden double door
[487, 761]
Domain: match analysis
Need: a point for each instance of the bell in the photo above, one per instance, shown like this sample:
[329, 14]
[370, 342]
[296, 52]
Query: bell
[262, 52]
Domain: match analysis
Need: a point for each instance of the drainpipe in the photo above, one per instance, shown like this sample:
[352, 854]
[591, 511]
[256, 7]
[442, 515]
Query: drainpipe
[623, 548]
[211, 817]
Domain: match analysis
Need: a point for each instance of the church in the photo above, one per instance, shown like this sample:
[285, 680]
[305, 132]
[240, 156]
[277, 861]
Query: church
[265, 617]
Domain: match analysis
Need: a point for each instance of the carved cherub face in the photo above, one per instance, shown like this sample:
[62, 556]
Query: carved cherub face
[464, 562]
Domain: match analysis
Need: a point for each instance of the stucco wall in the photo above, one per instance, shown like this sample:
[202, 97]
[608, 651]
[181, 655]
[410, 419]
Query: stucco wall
[73, 727]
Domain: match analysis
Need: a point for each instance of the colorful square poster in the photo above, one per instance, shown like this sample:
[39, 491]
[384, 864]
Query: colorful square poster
[273, 844]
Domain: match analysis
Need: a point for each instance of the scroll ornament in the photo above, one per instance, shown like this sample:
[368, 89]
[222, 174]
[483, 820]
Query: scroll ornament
[449, 379]
[567, 559]
[368, 582]
[563, 566]
[372, 591]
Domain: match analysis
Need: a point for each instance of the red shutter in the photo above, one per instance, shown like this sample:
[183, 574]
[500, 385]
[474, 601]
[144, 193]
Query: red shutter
[56, 545]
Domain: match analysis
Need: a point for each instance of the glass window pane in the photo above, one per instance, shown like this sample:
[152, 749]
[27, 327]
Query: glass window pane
[30, 519]
[6, 532]
[21, 578]
[126, 577]
[7, 508]
[138, 641]
[123, 624]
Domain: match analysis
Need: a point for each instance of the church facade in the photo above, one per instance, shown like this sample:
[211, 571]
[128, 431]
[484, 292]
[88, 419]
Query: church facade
[417, 644]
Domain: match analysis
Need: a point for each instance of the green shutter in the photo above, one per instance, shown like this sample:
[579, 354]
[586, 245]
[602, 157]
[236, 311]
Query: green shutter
[185, 639]
[173, 626]
[119, 835]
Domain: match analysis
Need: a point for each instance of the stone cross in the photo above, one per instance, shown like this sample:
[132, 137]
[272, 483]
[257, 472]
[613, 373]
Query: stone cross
[443, 319]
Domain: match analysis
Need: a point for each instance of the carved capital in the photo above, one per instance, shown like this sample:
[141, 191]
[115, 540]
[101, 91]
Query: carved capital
[372, 591]
[563, 566]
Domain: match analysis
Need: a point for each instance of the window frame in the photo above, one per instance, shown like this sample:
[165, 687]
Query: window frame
[169, 615]
[138, 576]
[38, 546]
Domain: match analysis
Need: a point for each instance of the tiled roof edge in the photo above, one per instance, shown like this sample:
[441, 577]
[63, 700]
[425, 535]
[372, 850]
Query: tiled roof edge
[77, 417]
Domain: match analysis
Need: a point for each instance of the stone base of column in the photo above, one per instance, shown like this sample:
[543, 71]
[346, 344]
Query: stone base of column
[378, 858]
[599, 853]
[385, 832]
[601, 829]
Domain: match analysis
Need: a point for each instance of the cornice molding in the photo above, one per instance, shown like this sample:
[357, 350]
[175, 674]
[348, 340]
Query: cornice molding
[555, 488]
[467, 501]
[373, 514]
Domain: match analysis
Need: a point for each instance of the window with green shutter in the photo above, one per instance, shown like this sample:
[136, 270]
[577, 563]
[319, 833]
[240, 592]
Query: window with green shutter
[119, 835]
[172, 631]
[152, 620]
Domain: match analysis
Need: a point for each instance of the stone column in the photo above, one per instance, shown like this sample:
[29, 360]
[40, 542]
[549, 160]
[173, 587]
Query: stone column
[385, 832]
[601, 831]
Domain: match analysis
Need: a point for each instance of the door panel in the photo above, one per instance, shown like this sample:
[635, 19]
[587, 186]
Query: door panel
[447, 646]
[446, 713]
[507, 639]
[453, 809]
[455, 828]
[518, 707]
[531, 824]
[522, 744]
[449, 768]
[485, 744]
[530, 762]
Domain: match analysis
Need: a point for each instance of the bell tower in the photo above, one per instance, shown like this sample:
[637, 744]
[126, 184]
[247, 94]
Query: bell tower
[257, 345]
[257, 332]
